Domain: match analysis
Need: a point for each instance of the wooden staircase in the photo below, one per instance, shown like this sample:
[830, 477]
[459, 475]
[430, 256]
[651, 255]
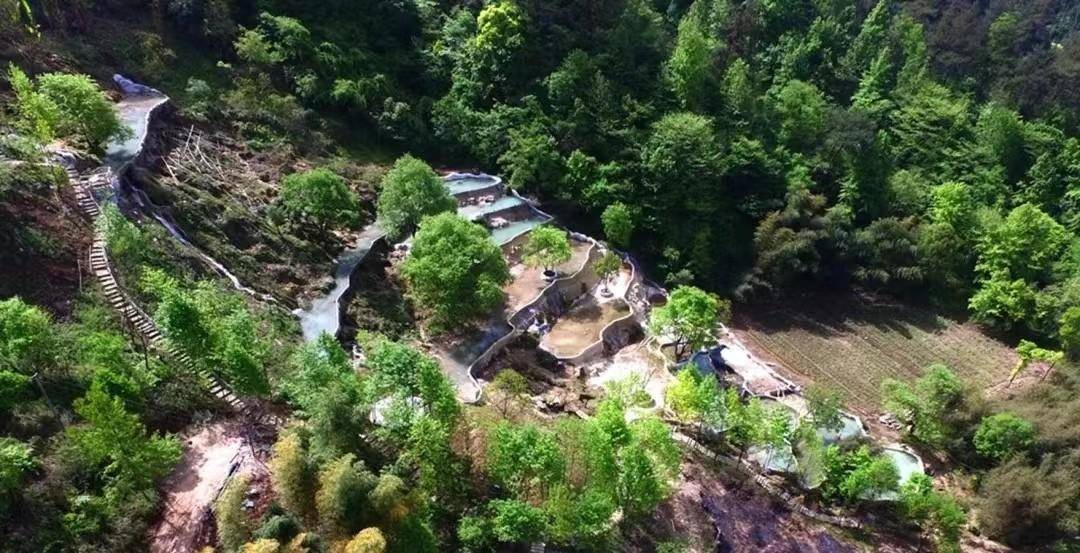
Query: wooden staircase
[102, 270]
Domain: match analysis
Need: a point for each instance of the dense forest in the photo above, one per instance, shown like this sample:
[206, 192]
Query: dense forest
[747, 153]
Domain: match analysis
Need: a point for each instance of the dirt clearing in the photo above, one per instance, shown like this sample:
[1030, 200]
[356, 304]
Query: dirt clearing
[852, 345]
[211, 454]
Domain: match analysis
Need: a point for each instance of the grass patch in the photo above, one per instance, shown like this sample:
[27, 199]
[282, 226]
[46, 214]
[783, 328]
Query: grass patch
[852, 345]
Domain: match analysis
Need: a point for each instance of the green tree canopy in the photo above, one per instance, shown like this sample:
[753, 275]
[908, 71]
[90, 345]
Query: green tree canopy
[57, 105]
[1002, 435]
[547, 247]
[926, 406]
[114, 440]
[410, 191]
[27, 339]
[618, 221]
[454, 270]
[690, 316]
[320, 198]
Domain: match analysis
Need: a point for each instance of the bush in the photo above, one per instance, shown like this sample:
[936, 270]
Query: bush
[57, 105]
[1002, 435]
[321, 198]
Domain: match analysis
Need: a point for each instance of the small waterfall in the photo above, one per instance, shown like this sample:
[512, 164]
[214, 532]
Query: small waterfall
[324, 313]
[135, 111]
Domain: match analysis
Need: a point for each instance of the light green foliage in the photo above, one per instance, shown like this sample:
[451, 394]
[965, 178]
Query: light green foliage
[932, 129]
[27, 341]
[689, 70]
[691, 394]
[939, 513]
[1069, 331]
[126, 241]
[441, 472]
[341, 501]
[514, 521]
[866, 45]
[800, 108]
[857, 475]
[690, 316]
[618, 221]
[1014, 259]
[201, 99]
[1002, 435]
[454, 270]
[321, 198]
[525, 459]
[500, 27]
[953, 204]
[13, 388]
[1027, 351]
[738, 89]
[640, 490]
[368, 540]
[16, 463]
[583, 519]
[292, 476]
[509, 389]
[233, 524]
[400, 370]
[130, 458]
[926, 405]
[608, 266]
[825, 407]
[1001, 132]
[56, 105]
[547, 247]
[1002, 37]
[322, 384]
[410, 191]
[214, 327]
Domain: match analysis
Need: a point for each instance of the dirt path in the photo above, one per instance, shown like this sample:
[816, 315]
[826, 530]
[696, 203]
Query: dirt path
[211, 454]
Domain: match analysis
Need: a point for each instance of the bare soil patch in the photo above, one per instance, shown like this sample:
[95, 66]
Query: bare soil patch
[212, 454]
[529, 281]
[581, 326]
[852, 344]
[43, 245]
[708, 512]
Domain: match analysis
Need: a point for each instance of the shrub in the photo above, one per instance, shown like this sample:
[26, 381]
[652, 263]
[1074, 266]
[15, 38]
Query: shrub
[1002, 435]
[57, 105]
[321, 198]
[547, 247]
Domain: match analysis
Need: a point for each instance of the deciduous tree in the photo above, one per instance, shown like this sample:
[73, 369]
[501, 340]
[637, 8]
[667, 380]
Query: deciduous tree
[454, 270]
[411, 191]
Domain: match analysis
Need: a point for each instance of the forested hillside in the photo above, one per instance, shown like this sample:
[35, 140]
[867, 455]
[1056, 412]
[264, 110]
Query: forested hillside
[765, 152]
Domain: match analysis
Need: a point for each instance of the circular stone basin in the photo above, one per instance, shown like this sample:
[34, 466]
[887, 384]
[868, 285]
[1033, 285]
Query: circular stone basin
[907, 464]
[851, 428]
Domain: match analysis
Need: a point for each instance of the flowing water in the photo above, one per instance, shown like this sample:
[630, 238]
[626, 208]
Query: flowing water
[135, 112]
[324, 313]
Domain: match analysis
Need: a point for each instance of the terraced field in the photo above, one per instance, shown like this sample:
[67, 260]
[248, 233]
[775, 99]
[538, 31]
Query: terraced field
[852, 345]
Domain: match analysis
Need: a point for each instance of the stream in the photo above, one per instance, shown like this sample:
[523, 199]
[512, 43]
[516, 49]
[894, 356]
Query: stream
[324, 313]
[135, 109]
